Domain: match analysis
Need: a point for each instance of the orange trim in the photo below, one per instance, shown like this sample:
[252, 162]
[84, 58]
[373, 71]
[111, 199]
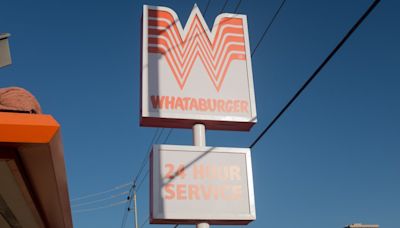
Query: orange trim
[27, 128]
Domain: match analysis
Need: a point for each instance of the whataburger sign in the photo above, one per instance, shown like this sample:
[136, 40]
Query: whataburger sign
[193, 75]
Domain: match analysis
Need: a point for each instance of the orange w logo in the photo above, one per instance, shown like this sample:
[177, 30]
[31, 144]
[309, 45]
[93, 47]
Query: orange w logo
[181, 47]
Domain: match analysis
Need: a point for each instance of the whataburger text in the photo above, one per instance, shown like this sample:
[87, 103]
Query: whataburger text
[200, 104]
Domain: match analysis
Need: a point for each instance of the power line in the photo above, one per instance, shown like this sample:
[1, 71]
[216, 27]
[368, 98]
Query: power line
[168, 134]
[144, 223]
[316, 72]
[147, 172]
[100, 200]
[223, 7]
[237, 6]
[268, 26]
[155, 138]
[205, 11]
[102, 207]
[142, 181]
[118, 187]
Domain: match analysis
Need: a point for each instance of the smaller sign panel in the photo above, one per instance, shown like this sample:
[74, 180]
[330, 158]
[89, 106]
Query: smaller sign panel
[190, 184]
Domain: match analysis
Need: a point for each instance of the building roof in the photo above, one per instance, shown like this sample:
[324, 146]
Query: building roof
[33, 183]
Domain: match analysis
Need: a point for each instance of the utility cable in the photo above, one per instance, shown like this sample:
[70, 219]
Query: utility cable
[142, 181]
[118, 187]
[208, 4]
[268, 26]
[237, 6]
[223, 7]
[100, 200]
[148, 170]
[154, 139]
[144, 223]
[102, 207]
[316, 72]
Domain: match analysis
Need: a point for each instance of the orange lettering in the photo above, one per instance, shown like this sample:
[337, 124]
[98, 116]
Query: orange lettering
[221, 107]
[206, 192]
[194, 192]
[234, 172]
[228, 106]
[244, 106]
[169, 189]
[180, 191]
[157, 102]
[169, 102]
[202, 104]
[212, 104]
[198, 171]
[170, 171]
[236, 192]
[186, 103]
[193, 104]
[236, 106]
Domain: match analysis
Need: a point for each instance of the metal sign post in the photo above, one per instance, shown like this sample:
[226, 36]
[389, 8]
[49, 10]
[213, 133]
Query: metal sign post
[199, 139]
[199, 135]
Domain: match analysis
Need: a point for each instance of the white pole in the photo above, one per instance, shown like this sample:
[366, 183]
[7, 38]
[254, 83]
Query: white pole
[199, 135]
[134, 204]
[202, 225]
[199, 139]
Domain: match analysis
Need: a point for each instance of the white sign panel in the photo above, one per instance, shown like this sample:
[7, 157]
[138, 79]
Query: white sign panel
[193, 74]
[191, 184]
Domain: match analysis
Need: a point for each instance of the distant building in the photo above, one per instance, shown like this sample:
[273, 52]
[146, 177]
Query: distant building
[359, 225]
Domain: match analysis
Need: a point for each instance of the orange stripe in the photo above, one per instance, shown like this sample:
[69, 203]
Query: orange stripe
[183, 52]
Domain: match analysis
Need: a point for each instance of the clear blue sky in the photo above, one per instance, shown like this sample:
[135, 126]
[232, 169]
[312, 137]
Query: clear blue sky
[331, 160]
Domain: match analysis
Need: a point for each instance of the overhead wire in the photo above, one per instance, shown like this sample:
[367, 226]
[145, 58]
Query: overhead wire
[144, 222]
[237, 6]
[223, 7]
[101, 207]
[268, 27]
[208, 4]
[118, 187]
[316, 72]
[155, 138]
[99, 200]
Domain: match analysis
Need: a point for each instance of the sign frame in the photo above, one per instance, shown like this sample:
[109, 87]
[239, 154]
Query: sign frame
[212, 121]
[157, 217]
